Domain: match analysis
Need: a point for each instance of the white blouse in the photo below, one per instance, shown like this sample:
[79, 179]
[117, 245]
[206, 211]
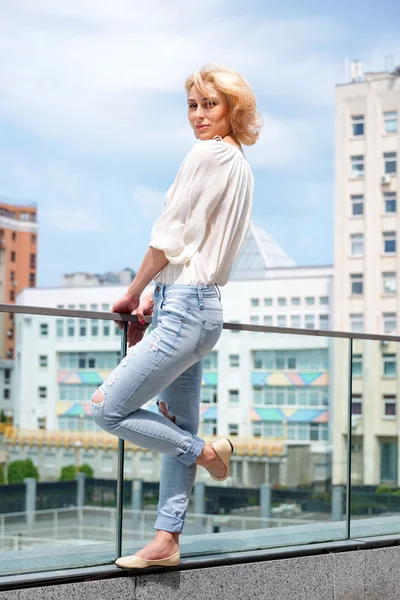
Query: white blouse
[206, 216]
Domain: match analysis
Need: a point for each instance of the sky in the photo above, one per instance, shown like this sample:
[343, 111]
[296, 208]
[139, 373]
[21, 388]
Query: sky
[93, 118]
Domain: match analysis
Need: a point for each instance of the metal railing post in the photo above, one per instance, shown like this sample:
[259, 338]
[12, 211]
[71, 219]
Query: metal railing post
[120, 468]
[349, 441]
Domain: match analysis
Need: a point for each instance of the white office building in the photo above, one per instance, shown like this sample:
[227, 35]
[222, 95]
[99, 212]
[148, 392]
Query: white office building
[366, 295]
[255, 385]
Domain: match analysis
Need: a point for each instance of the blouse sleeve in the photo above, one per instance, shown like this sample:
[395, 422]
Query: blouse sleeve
[197, 190]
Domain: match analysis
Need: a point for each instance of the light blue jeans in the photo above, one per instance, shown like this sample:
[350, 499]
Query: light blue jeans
[187, 323]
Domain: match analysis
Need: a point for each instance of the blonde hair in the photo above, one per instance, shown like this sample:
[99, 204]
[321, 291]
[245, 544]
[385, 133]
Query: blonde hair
[246, 121]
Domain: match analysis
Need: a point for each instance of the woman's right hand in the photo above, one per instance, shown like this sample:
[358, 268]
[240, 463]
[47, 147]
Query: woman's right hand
[137, 330]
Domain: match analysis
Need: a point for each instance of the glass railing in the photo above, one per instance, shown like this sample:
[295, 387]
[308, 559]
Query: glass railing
[312, 416]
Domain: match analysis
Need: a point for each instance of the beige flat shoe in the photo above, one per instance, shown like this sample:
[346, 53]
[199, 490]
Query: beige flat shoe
[135, 562]
[224, 449]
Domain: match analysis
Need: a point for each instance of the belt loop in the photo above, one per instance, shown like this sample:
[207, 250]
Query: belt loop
[219, 292]
[201, 300]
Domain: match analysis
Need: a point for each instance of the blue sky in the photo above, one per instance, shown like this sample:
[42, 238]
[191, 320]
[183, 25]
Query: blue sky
[93, 113]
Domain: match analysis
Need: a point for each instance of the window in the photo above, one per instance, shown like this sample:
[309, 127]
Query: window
[44, 329]
[43, 361]
[210, 362]
[43, 392]
[255, 320]
[234, 360]
[310, 300]
[356, 404]
[390, 166]
[267, 301]
[389, 323]
[209, 427]
[60, 328]
[33, 238]
[357, 285]
[281, 320]
[12, 296]
[357, 244]
[357, 166]
[14, 236]
[6, 394]
[12, 256]
[357, 205]
[105, 307]
[357, 323]
[389, 405]
[357, 365]
[209, 394]
[82, 327]
[295, 321]
[324, 322]
[268, 320]
[254, 302]
[390, 119]
[390, 203]
[12, 275]
[281, 301]
[389, 283]
[233, 429]
[33, 261]
[71, 327]
[7, 375]
[389, 365]
[310, 321]
[233, 396]
[389, 242]
[94, 327]
[324, 300]
[296, 301]
[358, 125]
[32, 279]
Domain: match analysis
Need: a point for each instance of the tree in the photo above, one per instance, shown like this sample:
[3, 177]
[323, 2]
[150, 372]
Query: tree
[18, 470]
[68, 473]
[87, 469]
[2, 480]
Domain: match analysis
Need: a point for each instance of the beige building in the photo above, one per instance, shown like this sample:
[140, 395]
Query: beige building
[366, 294]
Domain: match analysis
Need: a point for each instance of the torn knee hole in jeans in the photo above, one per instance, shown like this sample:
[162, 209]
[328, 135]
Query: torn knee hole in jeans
[98, 397]
[154, 345]
[164, 410]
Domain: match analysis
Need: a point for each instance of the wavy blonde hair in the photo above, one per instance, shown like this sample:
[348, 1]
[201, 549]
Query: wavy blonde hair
[246, 121]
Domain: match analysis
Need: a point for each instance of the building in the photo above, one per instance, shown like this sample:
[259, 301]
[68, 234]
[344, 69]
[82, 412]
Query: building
[255, 385]
[123, 277]
[18, 264]
[366, 294]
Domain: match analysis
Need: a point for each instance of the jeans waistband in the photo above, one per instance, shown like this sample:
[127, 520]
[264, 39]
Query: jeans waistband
[193, 291]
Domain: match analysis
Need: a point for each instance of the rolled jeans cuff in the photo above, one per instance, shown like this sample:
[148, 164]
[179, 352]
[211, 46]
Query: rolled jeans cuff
[168, 523]
[193, 452]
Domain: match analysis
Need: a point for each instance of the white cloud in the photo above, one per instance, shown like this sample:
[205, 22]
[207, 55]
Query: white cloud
[149, 201]
[109, 76]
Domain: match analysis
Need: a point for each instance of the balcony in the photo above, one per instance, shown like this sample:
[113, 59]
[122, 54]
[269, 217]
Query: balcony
[311, 507]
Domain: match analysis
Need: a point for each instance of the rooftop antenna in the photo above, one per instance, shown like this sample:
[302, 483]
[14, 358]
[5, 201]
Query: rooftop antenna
[356, 70]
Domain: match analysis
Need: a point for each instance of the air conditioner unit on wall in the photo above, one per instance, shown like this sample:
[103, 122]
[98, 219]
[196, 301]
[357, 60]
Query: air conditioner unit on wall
[385, 179]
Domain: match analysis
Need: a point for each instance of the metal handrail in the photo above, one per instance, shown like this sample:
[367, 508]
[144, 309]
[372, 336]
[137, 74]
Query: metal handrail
[108, 316]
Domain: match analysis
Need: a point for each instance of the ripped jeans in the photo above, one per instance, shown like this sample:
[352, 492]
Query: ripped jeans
[187, 323]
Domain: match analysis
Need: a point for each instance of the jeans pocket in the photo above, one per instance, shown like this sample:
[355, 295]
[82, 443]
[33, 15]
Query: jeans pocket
[210, 333]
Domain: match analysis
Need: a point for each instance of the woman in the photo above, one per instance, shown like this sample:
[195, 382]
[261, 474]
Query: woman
[193, 246]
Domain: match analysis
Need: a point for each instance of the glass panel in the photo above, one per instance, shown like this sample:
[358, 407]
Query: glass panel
[53, 441]
[375, 506]
[284, 441]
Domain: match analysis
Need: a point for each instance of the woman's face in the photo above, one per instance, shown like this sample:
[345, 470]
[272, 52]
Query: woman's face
[208, 116]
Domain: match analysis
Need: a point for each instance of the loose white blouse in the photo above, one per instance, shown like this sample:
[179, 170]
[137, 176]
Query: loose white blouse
[206, 216]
